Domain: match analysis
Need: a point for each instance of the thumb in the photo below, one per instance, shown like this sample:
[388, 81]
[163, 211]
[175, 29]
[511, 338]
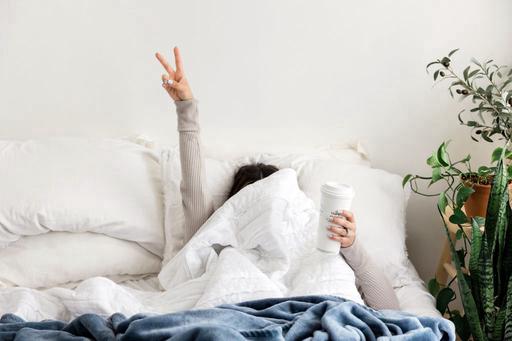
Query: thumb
[166, 81]
[166, 84]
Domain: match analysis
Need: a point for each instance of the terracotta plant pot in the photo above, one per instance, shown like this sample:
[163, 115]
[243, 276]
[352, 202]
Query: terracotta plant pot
[476, 205]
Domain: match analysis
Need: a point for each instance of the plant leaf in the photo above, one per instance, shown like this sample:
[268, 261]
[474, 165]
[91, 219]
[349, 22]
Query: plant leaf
[472, 73]
[432, 161]
[499, 325]
[507, 335]
[486, 284]
[444, 297]
[431, 63]
[465, 72]
[474, 264]
[476, 245]
[452, 52]
[496, 208]
[499, 246]
[406, 179]
[459, 116]
[484, 170]
[507, 258]
[442, 201]
[496, 154]
[433, 287]
[458, 217]
[436, 175]
[461, 325]
[504, 85]
[442, 155]
[485, 136]
[463, 194]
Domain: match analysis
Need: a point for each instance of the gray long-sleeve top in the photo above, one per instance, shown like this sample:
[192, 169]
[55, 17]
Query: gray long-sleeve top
[372, 283]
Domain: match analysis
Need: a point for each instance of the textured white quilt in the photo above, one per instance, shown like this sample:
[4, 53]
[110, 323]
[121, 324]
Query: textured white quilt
[267, 235]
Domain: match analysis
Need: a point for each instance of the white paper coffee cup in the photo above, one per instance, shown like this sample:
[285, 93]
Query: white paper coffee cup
[335, 198]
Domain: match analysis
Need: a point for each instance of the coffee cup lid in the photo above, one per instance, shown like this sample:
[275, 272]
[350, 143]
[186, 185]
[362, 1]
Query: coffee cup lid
[337, 189]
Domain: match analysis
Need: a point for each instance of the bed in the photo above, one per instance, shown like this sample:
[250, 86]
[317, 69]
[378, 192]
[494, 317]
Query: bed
[96, 226]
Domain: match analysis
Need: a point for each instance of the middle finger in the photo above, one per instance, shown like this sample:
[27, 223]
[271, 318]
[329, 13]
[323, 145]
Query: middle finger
[343, 222]
[338, 230]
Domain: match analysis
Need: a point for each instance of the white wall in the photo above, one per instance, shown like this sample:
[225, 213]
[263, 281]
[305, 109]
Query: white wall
[266, 72]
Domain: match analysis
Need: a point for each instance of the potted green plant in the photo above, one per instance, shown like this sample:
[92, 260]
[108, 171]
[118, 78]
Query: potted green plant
[482, 257]
[466, 189]
[486, 85]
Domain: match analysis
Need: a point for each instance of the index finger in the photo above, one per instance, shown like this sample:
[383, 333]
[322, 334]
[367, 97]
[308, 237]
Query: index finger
[165, 64]
[179, 61]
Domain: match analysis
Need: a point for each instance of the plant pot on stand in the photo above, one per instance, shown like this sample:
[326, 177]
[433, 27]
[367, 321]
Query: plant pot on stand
[476, 205]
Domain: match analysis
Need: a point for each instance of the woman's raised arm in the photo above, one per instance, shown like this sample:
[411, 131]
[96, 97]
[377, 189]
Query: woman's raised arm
[197, 204]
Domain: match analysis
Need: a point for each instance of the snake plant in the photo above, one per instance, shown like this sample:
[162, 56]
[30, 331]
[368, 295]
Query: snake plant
[482, 258]
[486, 290]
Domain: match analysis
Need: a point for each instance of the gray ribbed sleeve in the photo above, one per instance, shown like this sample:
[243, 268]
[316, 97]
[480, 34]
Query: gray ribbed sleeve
[197, 204]
[371, 281]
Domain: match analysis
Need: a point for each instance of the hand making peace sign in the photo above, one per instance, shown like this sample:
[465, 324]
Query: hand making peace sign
[174, 82]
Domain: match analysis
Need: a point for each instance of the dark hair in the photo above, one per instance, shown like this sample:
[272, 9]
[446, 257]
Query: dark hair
[249, 174]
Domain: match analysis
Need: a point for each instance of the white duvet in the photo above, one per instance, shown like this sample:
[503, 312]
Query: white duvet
[259, 244]
[266, 234]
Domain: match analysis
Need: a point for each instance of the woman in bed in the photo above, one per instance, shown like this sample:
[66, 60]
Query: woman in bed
[373, 285]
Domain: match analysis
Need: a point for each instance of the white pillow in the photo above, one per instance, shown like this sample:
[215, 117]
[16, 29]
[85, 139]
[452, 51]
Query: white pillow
[379, 206]
[220, 177]
[106, 186]
[56, 258]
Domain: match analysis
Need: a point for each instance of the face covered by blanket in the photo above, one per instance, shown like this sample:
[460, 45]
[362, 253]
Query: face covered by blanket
[259, 244]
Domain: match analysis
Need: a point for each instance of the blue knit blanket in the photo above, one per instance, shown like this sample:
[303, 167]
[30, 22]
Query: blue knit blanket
[295, 318]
